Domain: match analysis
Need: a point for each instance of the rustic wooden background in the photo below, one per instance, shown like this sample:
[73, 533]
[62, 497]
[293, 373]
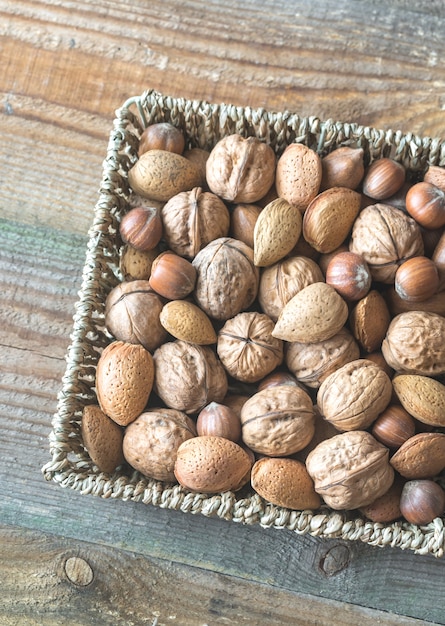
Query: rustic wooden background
[66, 65]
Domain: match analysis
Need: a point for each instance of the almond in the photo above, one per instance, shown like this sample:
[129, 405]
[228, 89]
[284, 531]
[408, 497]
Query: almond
[276, 232]
[421, 456]
[210, 464]
[329, 218]
[298, 175]
[124, 379]
[184, 320]
[102, 438]
[315, 313]
[284, 482]
[423, 397]
[160, 175]
[386, 508]
[369, 321]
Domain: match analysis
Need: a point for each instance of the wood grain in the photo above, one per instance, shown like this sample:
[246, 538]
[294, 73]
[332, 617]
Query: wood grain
[52, 581]
[66, 66]
[317, 62]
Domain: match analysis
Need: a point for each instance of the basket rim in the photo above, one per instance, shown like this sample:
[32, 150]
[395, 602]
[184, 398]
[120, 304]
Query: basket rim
[81, 475]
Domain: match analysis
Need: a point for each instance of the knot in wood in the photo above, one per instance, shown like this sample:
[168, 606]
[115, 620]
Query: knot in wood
[78, 571]
[335, 560]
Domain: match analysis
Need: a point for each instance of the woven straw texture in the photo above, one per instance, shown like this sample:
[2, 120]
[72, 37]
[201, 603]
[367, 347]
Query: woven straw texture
[204, 125]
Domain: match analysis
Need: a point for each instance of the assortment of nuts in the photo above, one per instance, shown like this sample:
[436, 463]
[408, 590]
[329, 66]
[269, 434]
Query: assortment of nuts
[280, 324]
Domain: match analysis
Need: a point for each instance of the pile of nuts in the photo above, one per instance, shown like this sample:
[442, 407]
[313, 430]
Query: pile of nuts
[280, 323]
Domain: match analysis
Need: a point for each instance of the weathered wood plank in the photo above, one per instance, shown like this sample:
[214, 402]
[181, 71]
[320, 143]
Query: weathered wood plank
[317, 62]
[46, 579]
[39, 295]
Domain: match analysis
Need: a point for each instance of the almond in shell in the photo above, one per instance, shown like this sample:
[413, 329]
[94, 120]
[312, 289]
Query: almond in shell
[102, 438]
[369, 321]
[298, 175]
[276, 232]
[184, 320]
[160, 175]
[329, 218]
[211, 464]
[421, 456]
[124, 380]
[315, 313]
[422, 396]
[284, 482]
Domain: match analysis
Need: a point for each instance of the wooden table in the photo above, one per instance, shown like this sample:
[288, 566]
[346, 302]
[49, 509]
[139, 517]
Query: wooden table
[66, 558]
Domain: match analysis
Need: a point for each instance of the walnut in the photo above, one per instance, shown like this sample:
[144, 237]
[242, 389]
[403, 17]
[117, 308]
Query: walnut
[385, 237]
[278, 421]
[350, 470]
[246, 347]
[353, 396]
[192, 219]
[414, 343]
[281, 281]
[241, 169]
[152, 440]
[188, 376]
[311, 363]
[227, 279]
[132, 312]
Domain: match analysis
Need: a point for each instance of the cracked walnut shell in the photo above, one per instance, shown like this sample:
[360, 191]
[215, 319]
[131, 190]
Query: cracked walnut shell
[350, 470]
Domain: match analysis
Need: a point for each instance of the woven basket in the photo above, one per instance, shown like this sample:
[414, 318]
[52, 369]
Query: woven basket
[204, 124]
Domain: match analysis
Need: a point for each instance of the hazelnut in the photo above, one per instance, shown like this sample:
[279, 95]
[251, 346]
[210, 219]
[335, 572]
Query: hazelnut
[141, 228]
[342, 167]
[383, 179]
[417, 279]
[242, 220]
[422, 501]
[219, 420]
[172, 276]
[426, 204]
[349, 274]
[162, 136]
[394, 426]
